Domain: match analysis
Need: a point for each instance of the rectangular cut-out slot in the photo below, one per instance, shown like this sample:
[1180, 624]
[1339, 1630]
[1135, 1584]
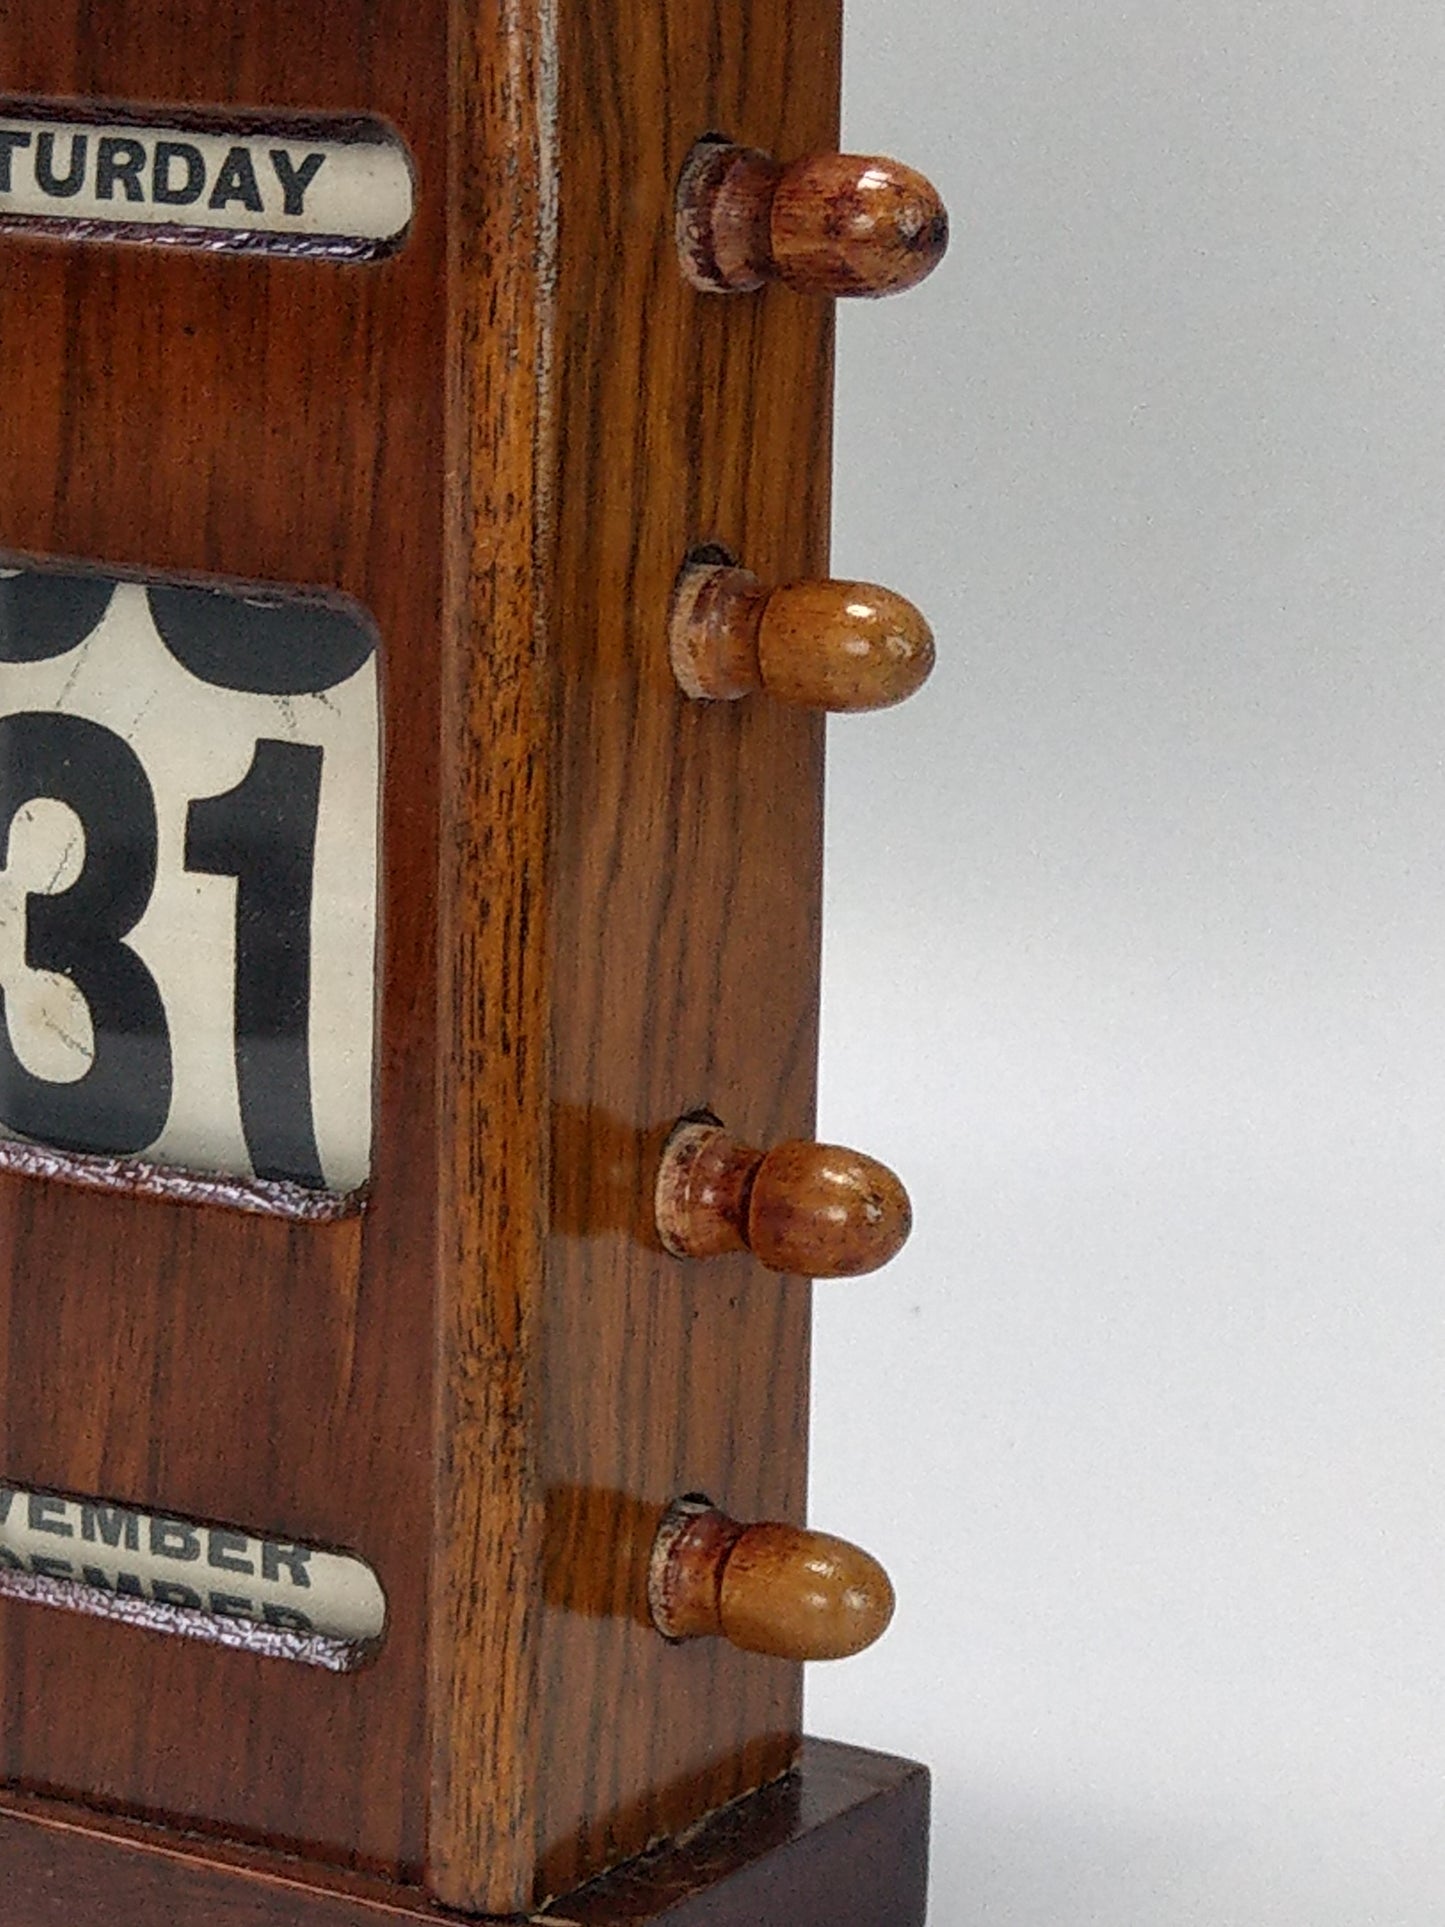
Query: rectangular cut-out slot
[189, 792]
[339, 188]
[197, 1581]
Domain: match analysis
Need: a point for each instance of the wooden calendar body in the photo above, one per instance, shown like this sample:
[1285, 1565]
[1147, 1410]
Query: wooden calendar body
[478, 426]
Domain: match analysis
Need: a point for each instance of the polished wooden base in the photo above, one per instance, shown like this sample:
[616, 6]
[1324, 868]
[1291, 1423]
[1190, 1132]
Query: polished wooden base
[841, 1843]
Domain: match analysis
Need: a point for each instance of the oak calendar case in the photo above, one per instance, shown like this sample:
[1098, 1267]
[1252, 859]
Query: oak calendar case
[415, 640]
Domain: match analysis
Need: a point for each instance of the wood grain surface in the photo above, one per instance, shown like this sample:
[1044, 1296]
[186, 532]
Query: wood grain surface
[264, 420]
[600, 913]
[686, 914]
[841, 1843]
[494, 941]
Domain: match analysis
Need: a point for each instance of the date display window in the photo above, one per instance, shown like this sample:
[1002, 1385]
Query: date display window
[188, 834]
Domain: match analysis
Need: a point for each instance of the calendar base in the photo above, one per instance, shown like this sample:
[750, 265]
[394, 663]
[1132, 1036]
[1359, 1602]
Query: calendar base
[841, 1843]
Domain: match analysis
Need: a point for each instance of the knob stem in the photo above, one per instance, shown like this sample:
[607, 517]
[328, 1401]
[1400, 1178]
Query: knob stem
[724, 209]
[717, 619]
[703, 1188]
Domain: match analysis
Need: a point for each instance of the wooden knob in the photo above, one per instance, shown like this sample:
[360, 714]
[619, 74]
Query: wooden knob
[831, 224]
[814, 1210]
[837, 646]
[773, 1589]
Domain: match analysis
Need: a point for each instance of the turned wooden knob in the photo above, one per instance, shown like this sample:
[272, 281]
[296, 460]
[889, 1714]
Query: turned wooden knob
[824, 645]
[814, 1210]
[831, 224]
[773, 1589]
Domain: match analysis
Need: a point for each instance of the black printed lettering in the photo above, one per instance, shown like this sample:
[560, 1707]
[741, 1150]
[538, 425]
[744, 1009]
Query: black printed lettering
[7, 1499]
[225, 1552]
[257, 185]
[266, 648]
[170, 1539]
[170, 188]
[127, 1584]
[43, 615]
[285, 1620]
[121, 1102]
[44, 1568]
[11, 1561]
[263, 833]
[170, 1592]
[12, 139]
[229, 1605]
[61, 187]
[294, 1558]
[119, 164]
[237, 182]
[110, 1524]
[295, 180]
[48, 1515]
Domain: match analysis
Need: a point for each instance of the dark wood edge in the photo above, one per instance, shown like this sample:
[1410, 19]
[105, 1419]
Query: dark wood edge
[843, 1842]
[311, 594]
[248, 122]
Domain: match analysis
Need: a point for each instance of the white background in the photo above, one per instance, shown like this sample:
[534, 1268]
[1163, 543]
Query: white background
[1135, 962]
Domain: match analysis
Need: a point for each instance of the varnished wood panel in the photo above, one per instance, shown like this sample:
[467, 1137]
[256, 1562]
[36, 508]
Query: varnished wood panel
[601, 911]
[494, 940]
[263, 420]
[688, 869]
[844, 1843]
[670, 923]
